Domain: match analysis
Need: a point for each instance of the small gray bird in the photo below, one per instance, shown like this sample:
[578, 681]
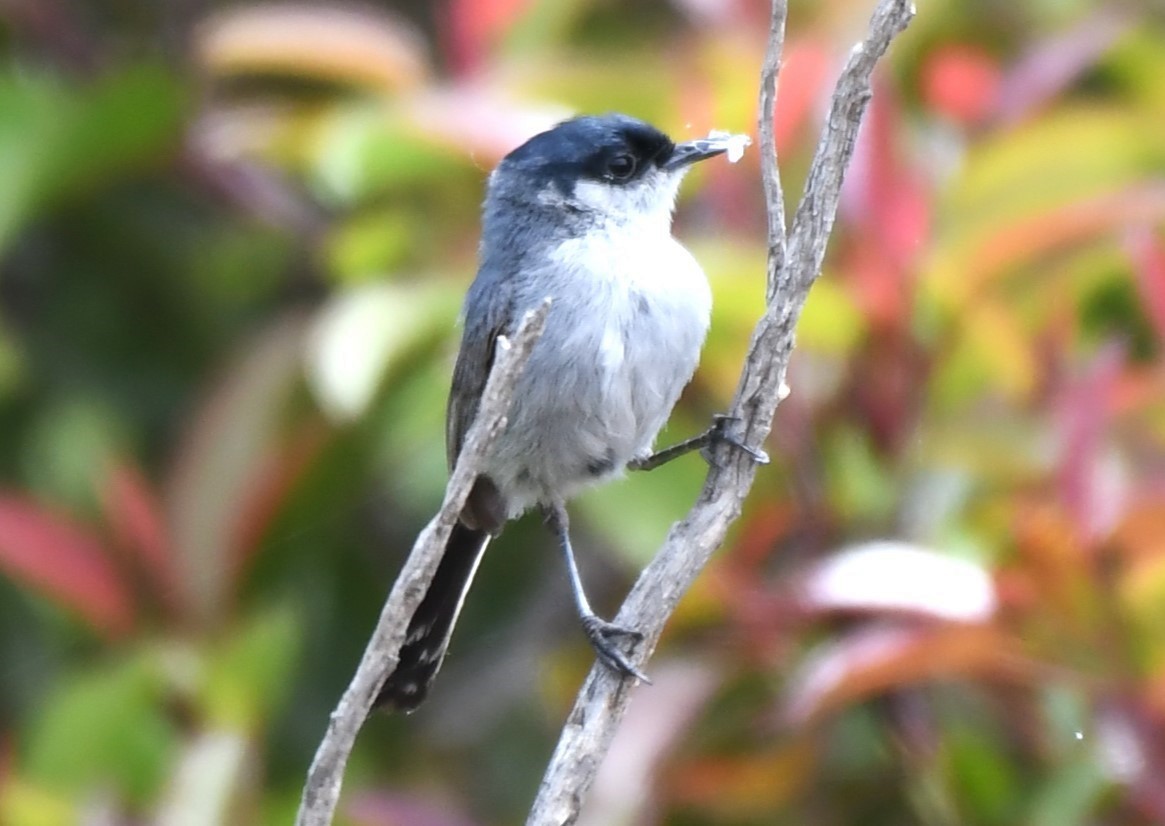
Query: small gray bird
[580, 214]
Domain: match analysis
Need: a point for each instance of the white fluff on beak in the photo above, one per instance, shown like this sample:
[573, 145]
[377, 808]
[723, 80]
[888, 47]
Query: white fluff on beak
[734, 145]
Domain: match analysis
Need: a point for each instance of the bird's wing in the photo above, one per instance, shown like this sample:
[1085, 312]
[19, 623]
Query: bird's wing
[488, 314]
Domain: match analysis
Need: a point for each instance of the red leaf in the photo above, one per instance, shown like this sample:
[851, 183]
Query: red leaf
[275, 476]
[135, 516]
[961, 83]
[474, 26]
[877, 659]
[804, 70]
[52, 555]
[884, 195]
[1148, 254]
[887, 204]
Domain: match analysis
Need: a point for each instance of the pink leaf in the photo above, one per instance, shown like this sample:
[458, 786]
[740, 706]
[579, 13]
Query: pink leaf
[52, 555]
[1092, 490]
[1052, 65]
[1129, 748]
[647, 737]
[482, 120]
[221, 457]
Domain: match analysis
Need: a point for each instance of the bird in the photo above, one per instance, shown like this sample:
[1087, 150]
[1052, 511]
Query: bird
[580, 214]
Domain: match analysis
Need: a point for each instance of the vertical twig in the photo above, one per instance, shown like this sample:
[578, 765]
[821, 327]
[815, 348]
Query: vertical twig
[770, 171]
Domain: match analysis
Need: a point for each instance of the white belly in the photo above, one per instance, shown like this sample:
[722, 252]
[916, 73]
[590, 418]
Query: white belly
[622, 340]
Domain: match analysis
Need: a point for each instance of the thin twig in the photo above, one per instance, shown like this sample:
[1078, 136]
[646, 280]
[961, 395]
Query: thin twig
[770, 172]
[322, 789]
[793, 267]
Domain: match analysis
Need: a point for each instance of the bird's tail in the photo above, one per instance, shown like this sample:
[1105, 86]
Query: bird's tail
[432, 623]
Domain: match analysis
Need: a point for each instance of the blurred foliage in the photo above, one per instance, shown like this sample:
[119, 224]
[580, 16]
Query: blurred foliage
[233, 241]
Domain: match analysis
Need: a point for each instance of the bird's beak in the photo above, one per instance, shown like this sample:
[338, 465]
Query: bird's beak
[685, 154]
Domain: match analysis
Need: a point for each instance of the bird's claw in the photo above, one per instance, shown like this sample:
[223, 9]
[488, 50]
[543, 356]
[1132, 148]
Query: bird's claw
[602, 636]
[719, 433]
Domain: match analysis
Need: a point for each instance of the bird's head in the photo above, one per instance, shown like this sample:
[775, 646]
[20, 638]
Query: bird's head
[612, 169]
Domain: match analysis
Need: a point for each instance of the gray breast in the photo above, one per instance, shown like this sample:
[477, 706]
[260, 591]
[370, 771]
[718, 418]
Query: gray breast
[619, 347]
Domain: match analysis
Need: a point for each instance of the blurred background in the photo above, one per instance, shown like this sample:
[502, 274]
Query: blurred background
[234, 239]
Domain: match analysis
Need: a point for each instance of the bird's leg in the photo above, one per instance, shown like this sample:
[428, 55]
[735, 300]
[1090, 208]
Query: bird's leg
[718, 432]
[601, 633]
[662, 457]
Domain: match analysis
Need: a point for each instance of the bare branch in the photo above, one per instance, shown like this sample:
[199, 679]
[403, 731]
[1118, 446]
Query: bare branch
[793, 267]
[770, 172]
[322, 790]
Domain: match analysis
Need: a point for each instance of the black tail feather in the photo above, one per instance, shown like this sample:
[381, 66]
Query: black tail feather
[432, 624]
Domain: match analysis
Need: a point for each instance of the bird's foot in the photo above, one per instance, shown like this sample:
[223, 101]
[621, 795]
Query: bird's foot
[602, 636]
[720, 433]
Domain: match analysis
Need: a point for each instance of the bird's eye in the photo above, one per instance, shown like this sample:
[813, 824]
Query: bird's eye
[621, 167]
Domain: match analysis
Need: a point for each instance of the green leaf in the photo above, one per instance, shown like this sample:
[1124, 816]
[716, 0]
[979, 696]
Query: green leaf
[12, 367]
[363, 150]
[108, 727]
[1069, 154]
[860, 487]
[635, 513]
[71, 438]
[985, 780]
[1070, 796]
[247, 677]
[831, 322]
[374, 243]
[366, 332]
[55, 141]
